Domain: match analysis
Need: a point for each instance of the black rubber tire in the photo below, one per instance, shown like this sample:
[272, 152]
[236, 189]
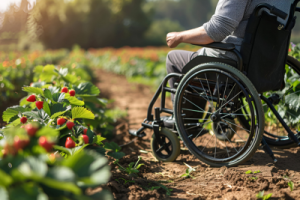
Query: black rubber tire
[288, 143]
[173, 138]
[256, 99]
[295, 65]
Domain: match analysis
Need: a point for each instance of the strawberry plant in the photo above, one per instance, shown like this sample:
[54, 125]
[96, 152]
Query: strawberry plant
[69, 115]
[28, 171]
[132, 168]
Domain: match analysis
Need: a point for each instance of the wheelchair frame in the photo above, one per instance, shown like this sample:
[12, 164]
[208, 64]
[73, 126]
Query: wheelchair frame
[156, 124]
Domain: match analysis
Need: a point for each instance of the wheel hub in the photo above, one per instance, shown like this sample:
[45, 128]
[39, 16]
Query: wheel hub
[215, 117]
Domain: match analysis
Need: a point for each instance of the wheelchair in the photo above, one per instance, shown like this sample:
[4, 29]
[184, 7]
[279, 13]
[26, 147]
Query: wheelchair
[237, 97]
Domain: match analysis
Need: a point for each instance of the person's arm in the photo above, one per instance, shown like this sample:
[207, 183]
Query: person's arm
[193, 36]
[229, 14]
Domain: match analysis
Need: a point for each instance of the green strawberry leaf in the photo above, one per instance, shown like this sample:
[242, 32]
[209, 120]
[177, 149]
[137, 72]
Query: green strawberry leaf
[63, 149]
[59, 97]
[33, 90]
[13, 111]
[6, 180]
[112, 146]
[46, 108]
[48, 94]
[73, 100]
[82, 113]
[98, 140]
[87, 89]
[47, 131]
[58, 114]
[116, 155]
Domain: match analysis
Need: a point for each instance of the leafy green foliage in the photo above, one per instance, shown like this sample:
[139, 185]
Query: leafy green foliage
[82, 113]
[188, 172]
[132, 168]
[291, 185]
[248, 172]
[261, 195]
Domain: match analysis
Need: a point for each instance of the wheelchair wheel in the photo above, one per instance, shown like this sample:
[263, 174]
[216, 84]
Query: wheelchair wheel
[171, 148]
[274, 132]
[207, 137]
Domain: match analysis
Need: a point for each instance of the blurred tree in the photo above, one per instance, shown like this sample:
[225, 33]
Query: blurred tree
[156, 35]
[89, 23]
[189, 13]
[14, 19]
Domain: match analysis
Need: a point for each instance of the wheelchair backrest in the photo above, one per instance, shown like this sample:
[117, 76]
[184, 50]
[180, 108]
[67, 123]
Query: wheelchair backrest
[265, 49]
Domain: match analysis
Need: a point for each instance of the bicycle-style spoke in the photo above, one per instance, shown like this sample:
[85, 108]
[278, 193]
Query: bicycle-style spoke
[194, 110]
[211, 103]
[200, 131]
[224, 92]
[236, 125]
[218, 86]
[195, 119]
[234, 112]
[193, 104]
[229, 101]
[209, 90]
[199, 93]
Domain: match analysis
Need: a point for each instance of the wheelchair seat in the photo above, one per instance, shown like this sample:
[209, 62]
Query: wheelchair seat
[206, 59]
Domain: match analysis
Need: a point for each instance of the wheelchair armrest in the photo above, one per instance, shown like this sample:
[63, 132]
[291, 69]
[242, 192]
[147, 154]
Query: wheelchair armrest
[218, 45]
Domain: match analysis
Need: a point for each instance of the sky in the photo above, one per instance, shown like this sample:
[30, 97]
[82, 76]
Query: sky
[4, 4]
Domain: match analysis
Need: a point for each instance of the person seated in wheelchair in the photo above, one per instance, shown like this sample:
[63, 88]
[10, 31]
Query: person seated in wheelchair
[227, 25]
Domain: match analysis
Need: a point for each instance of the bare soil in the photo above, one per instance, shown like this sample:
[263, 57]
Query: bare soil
[208, 182]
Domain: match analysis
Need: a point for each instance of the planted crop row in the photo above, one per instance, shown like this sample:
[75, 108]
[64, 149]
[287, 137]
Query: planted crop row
[49, 147]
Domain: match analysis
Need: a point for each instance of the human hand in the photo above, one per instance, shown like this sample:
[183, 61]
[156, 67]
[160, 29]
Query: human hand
[173, 39]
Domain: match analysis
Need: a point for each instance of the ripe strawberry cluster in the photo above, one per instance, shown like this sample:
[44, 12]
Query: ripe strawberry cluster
[40, 104]
[70, 124]
[20, 143]
[66, 90]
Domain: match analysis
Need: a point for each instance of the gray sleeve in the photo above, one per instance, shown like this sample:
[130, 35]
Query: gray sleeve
[228, 15]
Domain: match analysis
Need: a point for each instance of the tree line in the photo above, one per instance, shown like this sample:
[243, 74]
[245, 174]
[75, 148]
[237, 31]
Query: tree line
[100, 23]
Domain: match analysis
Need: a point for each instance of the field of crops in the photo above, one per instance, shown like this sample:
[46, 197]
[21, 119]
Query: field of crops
[58, 139]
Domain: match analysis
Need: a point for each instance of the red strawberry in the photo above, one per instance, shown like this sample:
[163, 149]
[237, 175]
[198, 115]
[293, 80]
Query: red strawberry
[72, 93]
[19, 143]
[84, 131]
[60, 121]
[70, 143]
[23, 120]
[70, 125]
[64, 90]
[43, 142]
[31, 129]
[85, 139]
[31, 98]
[39, 104]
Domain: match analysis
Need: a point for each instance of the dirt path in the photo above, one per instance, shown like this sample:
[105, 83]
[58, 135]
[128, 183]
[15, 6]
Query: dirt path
[208, 183]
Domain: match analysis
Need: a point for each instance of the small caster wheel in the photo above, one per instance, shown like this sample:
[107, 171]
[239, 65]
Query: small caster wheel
[170, 150]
